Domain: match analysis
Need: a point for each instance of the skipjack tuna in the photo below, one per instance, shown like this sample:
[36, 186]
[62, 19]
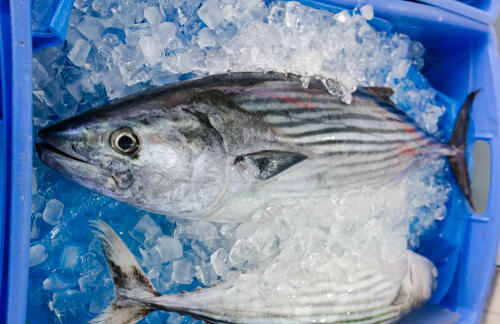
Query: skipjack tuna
[372, 296]
[219, 147]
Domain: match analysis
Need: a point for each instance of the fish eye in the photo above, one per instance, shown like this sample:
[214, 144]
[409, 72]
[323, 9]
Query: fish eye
[124, 141]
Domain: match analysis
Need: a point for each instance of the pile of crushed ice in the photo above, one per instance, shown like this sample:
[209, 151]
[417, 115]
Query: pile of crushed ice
[115, 48]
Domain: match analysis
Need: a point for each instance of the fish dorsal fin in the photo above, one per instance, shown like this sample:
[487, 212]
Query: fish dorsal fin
[267, 164]
[381, 93]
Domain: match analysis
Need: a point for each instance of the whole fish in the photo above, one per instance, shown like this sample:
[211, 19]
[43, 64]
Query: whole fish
[220, 147]
[371, 296]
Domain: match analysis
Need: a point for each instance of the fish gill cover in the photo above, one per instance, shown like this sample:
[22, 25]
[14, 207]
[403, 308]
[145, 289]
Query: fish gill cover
[116, 48]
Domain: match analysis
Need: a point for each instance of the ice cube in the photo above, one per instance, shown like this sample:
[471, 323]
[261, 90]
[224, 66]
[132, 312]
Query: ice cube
[150, 49]
[183, 272]
[71, 258]
[56, 282]
[37, 296]
[401, 69]
[67, 305]
[136, 31]
[75, 90]
[220, 263]
[82, 5]
[101, 297]
[66, 300]
[50, 94]
[53, 211]
[113, 83]
[210, 13]
[149, 258]
[367, 12]
[40, 75]
[105, 7]
[244, 254]
[153, 16]
[90, 27]
[57, 236]
[38, 254]
[36, 226]
[206, 274]
[168, 249]
[205, 38]
[34, 183]
[79, 53]
[146, 231]
[166, 33]
[86, 283]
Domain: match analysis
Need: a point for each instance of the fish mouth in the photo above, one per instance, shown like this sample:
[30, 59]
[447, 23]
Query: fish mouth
[46, 149]
[83, 172]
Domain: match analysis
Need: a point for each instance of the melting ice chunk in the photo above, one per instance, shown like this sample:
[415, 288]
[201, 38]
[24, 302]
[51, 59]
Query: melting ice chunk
[367, 12]
[401, 69]
[101, 296]
[53, 211]
[210, 13]
[113, 82]
[206, 274]
[205, 39]
[36, 226]
[146, 231]
[166, 33]
[38, 254]
[219, 262]
[70, 258]
[79, 53]
[90, 27]
[34, 184]
[150, 49]
[55, 282]
[168, 248]
[153, 16]
[183, 272]
[64, 302]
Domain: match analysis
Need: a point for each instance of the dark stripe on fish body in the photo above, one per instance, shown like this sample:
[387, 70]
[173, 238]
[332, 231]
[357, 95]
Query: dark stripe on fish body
[368, 162]
[291, 111]
[358, 152]
[335, 117]
[361, 130]
[333, 142]
[378, 173]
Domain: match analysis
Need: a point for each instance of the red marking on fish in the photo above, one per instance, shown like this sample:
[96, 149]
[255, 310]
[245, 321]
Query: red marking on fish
[408, 151]
[297, 101]
[412, 130]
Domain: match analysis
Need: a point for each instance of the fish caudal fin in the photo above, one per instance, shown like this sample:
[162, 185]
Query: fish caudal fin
[132, 287]
[457, 141]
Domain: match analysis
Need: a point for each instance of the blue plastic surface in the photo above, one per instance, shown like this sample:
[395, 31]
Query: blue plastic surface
[55, 32]
[16, 157]
[485, 11]
[461, 57]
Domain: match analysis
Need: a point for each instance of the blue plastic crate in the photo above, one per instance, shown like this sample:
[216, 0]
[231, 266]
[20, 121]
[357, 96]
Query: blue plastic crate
[461, 56]
[485, 11]
[50, 28]
[16, 157]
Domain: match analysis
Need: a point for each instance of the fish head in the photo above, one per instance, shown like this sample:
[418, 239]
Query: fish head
[166, 160]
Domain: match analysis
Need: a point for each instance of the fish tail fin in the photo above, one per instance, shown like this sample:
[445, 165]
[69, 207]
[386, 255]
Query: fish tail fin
[457, 141]
[133, 289]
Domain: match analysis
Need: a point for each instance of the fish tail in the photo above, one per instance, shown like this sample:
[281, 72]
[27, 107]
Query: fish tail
[457, 141]
[133, 289]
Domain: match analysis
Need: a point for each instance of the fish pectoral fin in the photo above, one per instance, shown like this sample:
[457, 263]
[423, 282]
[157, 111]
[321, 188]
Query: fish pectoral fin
[401, 298]
[382, 93]
[267, 164]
